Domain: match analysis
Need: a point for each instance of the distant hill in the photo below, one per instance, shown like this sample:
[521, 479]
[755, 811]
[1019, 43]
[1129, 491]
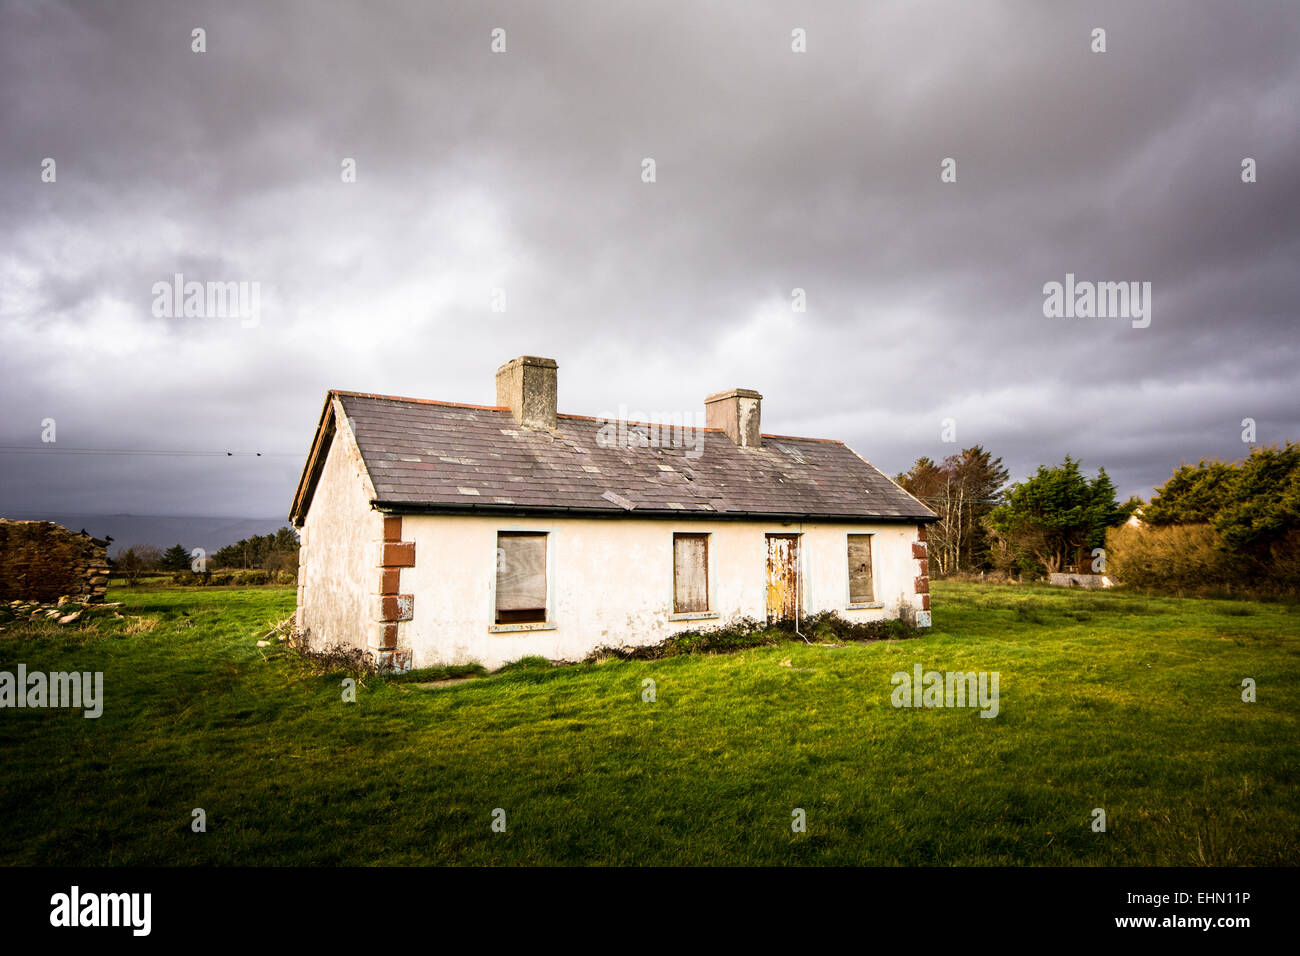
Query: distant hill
[210, 534]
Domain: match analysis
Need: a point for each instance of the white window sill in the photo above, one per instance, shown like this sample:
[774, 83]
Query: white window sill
[863, 607]
[695, 616]
[510, 628]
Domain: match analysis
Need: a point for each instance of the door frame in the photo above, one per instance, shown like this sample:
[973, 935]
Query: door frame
[797, 538]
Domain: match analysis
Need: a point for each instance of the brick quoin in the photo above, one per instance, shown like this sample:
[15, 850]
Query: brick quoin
[391, 607]
[921, 554]
[399, 554]
[398, 660]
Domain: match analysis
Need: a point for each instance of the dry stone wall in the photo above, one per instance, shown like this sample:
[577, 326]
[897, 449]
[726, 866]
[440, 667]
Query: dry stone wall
[43, 561]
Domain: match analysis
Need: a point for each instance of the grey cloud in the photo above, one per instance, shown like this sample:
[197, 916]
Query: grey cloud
[775, 171]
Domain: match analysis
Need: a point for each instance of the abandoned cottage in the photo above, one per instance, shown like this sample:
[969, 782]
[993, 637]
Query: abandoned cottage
[443, 533]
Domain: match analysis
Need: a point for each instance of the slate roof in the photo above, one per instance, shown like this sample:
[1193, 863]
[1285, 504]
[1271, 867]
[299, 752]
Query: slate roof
[435, 456]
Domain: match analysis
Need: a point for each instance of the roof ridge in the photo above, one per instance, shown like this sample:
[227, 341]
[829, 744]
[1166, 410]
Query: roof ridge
[831, 441]
[584, 418]
[417, 401]
[628, 421]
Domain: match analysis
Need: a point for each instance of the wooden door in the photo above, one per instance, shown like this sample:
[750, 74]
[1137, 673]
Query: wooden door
[782, 576]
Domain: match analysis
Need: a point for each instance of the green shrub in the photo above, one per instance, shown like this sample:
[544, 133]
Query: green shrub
[1193, 559]
[826, 627]
[533, 662]
[252, 577]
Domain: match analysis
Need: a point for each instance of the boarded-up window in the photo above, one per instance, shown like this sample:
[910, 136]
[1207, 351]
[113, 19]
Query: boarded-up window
[861, 590]
[521, 577]
[690, 573]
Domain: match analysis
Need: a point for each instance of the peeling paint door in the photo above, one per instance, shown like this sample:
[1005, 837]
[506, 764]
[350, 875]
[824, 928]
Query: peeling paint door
[782, 576]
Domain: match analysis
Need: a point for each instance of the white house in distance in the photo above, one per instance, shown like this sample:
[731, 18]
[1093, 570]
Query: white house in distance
[442, 533]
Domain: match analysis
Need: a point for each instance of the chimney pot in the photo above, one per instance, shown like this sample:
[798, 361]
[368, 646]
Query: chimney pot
[737, 412]
[527, 386]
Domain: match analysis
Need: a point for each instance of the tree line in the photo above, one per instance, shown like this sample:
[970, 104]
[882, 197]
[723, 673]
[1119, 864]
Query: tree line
[1041, 525]
[270, 552]
[1241, 519]
[1219, 528]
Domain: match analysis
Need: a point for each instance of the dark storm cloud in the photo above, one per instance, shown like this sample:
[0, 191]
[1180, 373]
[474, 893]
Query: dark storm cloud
[522, 171]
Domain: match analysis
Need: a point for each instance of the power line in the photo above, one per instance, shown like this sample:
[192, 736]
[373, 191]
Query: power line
[50, 449]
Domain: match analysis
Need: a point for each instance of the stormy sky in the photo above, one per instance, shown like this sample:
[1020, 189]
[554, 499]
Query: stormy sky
[522, 171]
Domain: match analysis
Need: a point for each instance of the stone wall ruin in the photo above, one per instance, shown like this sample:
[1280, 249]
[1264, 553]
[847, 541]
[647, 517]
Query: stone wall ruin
[43, 561]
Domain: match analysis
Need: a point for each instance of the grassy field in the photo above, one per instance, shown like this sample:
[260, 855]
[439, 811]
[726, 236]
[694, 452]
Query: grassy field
[1128, 703]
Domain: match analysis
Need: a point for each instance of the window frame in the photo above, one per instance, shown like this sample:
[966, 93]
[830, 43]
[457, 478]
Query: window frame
[849, 603]
[549, 622]
[709, 579]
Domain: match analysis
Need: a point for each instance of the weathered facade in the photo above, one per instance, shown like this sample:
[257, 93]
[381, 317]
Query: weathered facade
[439, 533]
[43, 561]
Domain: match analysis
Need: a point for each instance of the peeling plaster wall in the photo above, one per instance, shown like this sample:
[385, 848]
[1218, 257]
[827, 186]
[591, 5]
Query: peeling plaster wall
[338, 563]
[750, 423]
[611, 581]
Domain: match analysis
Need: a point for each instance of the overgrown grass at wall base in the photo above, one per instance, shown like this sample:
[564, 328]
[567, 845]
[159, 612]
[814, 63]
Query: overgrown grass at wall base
[1125, 702]
[825, 627]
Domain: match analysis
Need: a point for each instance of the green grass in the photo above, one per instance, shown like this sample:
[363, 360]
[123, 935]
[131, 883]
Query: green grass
[1130, 703]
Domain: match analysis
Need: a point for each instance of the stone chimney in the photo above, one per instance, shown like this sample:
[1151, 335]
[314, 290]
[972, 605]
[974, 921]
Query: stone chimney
[736, 412]
[526, 386]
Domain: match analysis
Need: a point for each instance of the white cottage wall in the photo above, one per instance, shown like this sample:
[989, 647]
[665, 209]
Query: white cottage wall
[611, 581]
[339, 559]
